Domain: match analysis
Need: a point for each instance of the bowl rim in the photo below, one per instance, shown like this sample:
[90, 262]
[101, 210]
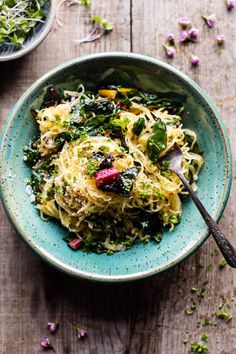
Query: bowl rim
[35, 43]
[143, 274]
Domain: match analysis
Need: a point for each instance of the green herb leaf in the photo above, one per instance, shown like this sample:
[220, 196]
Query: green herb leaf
[224, 315]
[222, 263]
[158, 236]
[86, 3]
[92, 167]
[174, 219]
[138, 126]
[157, 141]
[198, 347]
[121, 122]
[204, 337]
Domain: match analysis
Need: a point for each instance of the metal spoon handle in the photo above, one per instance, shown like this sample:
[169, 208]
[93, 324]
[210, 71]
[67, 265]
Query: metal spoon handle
[224, 245]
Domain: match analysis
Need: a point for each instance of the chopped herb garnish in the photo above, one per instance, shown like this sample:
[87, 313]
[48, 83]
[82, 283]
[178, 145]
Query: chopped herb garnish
[206, 322]
[224, 315]
[198, 347]
[204, 337]
[209, 267]
[193, 290]
[92, 167]
[202, 293]
[222, 263]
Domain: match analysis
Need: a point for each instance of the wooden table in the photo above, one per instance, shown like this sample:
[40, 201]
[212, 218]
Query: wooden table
[146, 316]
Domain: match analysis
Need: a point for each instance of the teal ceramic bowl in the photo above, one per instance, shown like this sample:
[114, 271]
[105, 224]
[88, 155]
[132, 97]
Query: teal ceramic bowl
[45, 237]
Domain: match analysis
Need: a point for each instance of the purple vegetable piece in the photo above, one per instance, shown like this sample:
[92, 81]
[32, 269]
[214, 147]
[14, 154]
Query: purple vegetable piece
[75, 244]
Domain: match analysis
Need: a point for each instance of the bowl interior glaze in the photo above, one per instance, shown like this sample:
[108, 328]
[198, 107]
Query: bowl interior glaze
[45, 237]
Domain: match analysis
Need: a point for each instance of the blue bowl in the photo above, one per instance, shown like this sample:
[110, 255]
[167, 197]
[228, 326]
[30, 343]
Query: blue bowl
[142, 260]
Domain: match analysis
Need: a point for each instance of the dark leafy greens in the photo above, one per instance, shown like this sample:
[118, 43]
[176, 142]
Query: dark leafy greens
[157, 141]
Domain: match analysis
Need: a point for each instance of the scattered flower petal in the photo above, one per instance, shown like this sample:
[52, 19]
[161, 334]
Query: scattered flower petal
[46, 343]
[170, 51]
[171, 38]
[184, 22]
[81, 333]
[183, 36]
[210, 20]
[220, 39]
[230, 4]
[195, 61]
[193, 34]
[52, 326]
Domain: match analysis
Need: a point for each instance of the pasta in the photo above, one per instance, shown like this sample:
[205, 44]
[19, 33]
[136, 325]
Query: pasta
[95, 165]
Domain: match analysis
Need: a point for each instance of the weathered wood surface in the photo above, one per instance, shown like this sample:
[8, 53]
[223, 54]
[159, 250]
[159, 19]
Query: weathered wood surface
[145, 317]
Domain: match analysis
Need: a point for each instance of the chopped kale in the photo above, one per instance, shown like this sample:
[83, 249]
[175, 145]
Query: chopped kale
[123, 186]
[138, 126]
[51, 98]
[31, 153]
[195, 148]
[157, 141]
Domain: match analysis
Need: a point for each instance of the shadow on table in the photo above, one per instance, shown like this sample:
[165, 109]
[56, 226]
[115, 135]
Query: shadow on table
[117, 300]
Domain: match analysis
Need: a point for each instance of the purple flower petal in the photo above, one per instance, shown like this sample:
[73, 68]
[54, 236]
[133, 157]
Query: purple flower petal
[193, 34]
[230, 4]
[184, 22]
[220, 39]
[210, 20]
[81, 333]
[170, 51]
[171, 38]
[52, 327]
[46, 343]
[195, 61]
[183, 36]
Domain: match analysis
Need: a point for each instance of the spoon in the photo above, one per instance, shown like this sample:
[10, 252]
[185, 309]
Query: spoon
[174, 157]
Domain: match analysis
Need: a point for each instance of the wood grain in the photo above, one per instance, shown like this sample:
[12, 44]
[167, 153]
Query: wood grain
[145, 317]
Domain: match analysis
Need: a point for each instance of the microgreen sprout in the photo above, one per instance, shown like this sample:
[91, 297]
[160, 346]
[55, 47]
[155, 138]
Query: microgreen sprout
[18, 18]
[100, 28]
